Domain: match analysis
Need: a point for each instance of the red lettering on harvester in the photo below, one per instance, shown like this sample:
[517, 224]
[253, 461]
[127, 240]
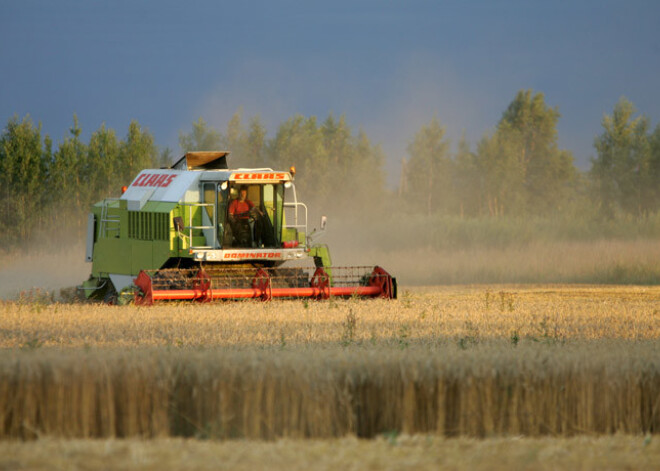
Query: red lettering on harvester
[259, 176]
[168, 180]
[154, 179]
[139, 180]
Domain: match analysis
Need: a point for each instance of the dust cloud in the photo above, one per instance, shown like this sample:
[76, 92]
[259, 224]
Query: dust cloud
[44, 269]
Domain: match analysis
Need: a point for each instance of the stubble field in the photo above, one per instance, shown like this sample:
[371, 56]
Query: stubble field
[538, 376]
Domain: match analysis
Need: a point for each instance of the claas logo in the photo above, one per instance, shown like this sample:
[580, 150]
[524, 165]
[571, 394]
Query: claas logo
[259, 176]
[154, 179]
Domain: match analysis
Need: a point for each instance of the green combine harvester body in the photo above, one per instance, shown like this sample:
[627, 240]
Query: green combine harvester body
[201, 231]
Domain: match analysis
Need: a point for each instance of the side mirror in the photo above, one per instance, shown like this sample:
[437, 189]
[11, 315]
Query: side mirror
[324, 221]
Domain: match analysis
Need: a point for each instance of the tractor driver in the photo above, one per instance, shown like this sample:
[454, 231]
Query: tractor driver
[240, 207]
[240, 211]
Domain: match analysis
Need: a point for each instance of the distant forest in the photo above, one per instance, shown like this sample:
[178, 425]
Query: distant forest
[515, 171]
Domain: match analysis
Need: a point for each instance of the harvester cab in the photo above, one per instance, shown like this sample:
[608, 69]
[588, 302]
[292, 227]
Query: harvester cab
[199, 230]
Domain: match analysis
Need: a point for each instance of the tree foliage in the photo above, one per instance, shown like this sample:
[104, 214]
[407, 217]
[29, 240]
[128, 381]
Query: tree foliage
[517, 170]
[136, 152]
[429, 170]
[525, 172]
[72, 177]
[544, 169]
[627, 167]
[23, 157]
[202, 137]
[45, 191]
[337, 169]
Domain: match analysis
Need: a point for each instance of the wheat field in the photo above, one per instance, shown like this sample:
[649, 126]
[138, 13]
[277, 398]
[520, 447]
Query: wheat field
[420, 316]
[475, 361]
[486, 390]
[563, 367]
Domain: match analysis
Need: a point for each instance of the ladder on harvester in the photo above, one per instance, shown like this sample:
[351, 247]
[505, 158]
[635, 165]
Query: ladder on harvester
[198, 230]
[109, 223]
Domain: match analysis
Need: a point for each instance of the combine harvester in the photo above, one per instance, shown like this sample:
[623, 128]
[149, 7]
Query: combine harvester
[200, 231]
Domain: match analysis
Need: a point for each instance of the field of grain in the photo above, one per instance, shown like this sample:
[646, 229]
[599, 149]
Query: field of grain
[479, 361]
[483, 390]
[421, 316]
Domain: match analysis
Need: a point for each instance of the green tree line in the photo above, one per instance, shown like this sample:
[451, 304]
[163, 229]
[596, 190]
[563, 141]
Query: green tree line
[515, 170]
[518, 169]
[335, 166]
[47, 190]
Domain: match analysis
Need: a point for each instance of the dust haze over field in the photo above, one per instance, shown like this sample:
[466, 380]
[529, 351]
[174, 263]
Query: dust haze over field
[430, 251]
[45, 269]
[400, 248]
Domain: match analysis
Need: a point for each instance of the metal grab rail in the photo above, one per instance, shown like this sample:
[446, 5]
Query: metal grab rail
[296, 225]
[294, 205]
[107, 219]
[192, 227]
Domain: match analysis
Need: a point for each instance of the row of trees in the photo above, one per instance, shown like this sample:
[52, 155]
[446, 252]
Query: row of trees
[335, 167]
[42, 188]
[626, 171]
[517, 169]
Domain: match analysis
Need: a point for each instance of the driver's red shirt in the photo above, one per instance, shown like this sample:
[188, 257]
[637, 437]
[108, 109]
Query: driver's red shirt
[240, 208]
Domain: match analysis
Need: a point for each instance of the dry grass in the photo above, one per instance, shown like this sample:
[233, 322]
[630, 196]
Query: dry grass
[405, 452]
[420, 316]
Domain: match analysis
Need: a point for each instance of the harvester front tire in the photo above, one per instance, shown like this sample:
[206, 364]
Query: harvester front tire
[110, 297]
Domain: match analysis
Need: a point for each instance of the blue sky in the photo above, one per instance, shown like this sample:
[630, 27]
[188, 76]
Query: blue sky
[388, 66]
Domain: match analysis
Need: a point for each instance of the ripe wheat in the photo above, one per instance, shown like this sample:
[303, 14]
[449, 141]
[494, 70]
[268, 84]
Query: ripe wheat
[476, 361]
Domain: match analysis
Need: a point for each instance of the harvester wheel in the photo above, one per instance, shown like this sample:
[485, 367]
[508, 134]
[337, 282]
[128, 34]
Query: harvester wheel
[110, 296]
